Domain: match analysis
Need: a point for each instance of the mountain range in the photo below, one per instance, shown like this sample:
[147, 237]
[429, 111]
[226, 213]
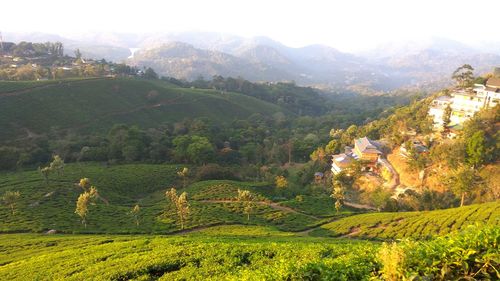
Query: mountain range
[425, 64]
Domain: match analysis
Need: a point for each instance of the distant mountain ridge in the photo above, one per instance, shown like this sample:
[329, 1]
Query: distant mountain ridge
[424, 64]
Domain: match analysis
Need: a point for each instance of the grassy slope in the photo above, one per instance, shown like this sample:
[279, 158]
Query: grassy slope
[250, 254]
[412, 224]
[30, 257]
[95, 105]
[51, 206]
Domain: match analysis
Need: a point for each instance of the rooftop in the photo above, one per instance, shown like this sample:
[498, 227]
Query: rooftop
[342, 159]
[493, 82]
[366, 145]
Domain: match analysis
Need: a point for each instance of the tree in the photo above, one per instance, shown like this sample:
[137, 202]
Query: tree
[247, 198]
[150, 74]
[464, 76]
[338, 193]
[446, 117]
[135, 213]
[183, 174]
[84, 183]
[45, 171]
[476, 149]
[200, 150]
[10, 198]
[181, 204]
[462, 181]
[318, 155]
[57, 165]
[78, 54]
[83, 202]
[281, 182]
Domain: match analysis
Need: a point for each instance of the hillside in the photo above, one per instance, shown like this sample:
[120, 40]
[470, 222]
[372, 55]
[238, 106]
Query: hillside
[252, 254]
[94, 105]
[412, 224]
[51, 205]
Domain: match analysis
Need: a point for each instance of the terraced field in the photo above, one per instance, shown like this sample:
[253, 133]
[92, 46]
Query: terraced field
[51, 205]
[417, 225]
[245, 253]
[95, 105]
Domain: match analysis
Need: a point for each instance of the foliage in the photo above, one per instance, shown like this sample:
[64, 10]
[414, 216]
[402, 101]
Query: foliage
[248, 254]
[183, 174]
[446, 117]
[392, 258]
[417, 225]
[135, 213]
[462, 181]
[83, 202]
[10, 198]
[338, 193]
[181, 204]
[246, 198]
[464, 76]
[281, 182]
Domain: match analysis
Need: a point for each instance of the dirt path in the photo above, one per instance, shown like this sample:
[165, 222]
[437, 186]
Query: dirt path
[359, 206]
[273, 205]
[395, 176]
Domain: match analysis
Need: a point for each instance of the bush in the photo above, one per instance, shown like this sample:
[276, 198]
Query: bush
[214, 172]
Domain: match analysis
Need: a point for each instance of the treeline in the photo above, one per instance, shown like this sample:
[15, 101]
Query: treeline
[44, 61]
[258, 140]
[29, 49]
[303, 100]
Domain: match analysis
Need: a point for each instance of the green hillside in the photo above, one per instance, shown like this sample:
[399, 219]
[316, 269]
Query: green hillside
[416, 225]
[94, 105]
[51, 206]
[249, 255]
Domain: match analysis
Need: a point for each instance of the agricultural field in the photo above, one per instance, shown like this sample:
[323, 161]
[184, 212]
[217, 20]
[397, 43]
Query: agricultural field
[95, 105]
[246, 254]
[51, 205]
[416, 225]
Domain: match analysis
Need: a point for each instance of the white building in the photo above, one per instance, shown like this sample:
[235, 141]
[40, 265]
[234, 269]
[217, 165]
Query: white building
[437, 108]
[465, 103]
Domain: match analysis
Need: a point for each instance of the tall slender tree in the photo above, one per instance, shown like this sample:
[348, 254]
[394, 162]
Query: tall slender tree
[246, 198]
[180, 203]
[10, 198]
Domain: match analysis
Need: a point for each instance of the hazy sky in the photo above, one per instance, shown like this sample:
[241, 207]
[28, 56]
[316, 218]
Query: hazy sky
[348, 25]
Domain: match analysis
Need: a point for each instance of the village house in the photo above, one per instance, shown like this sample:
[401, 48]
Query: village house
[340, 162]
[365, 150]
[465, 103]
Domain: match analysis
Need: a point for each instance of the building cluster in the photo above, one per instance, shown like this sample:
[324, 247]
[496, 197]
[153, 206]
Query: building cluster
[365, 150]
[464, 103]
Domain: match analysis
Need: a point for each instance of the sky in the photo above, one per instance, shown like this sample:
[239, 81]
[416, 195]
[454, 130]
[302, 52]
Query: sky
[349, 25]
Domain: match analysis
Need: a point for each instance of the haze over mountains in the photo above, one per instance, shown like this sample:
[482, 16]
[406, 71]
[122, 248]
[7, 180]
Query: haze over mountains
[424, 64]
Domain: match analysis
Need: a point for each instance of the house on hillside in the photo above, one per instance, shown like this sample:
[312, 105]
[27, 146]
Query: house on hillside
[340, 162]
[465, 103]
[366, 150]
[437, 108]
